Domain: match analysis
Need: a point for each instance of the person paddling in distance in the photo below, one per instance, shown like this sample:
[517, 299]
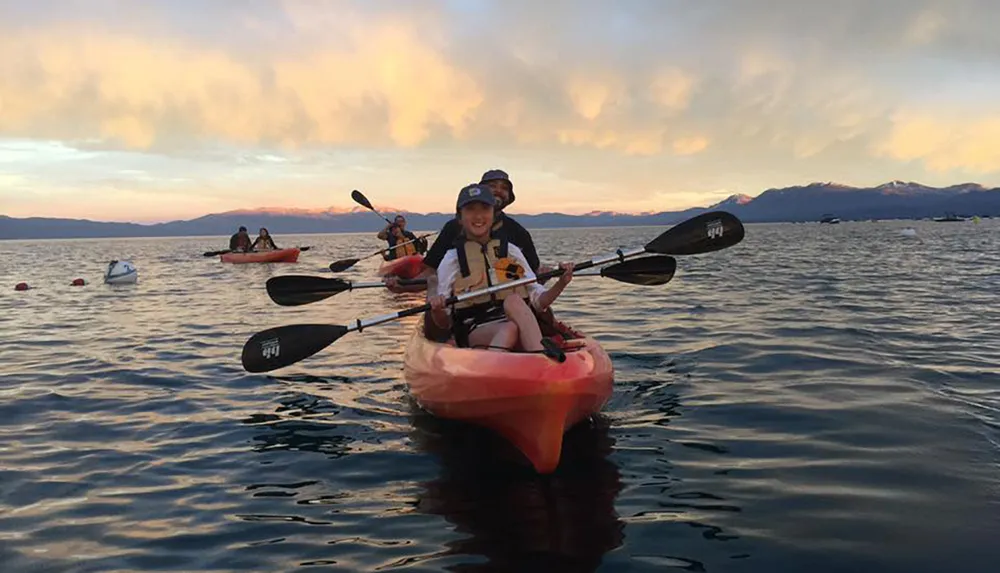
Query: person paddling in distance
[396, 234]
[240, 241]
[263, 242]
[481, 257]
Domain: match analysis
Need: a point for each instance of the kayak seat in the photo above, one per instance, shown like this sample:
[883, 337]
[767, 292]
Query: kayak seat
[565, 336]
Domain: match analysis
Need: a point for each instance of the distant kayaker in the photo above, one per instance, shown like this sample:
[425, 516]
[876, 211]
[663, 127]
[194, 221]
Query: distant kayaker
[240, 241]
[482, 256]
[396, 234]
[263, 242]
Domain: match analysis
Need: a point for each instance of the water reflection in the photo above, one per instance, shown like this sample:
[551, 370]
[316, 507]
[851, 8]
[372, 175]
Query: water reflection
[500, 509]
[296, 425]
[517, 519]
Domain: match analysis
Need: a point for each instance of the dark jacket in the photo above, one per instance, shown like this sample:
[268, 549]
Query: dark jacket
[239, 242]
[515, 233]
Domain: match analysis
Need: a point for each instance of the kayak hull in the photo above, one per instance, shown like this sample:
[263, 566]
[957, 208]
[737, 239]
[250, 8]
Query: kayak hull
[407, 267]
[529, 399]
[278, 256]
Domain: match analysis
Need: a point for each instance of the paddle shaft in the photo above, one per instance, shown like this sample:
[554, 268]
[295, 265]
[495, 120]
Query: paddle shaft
[361, 324]
[360, 199]
[703, 233]
[421, 282]
[367, 204]
[421, 237]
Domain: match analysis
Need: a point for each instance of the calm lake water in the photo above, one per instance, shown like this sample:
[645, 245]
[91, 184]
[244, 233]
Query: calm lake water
[818, 398]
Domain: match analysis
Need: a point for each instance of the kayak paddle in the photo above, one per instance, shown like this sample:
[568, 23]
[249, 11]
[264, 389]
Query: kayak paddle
[344, 264]
[295, 290]
[217, 253]
[285, 345]
[703, 233]
[360, 199]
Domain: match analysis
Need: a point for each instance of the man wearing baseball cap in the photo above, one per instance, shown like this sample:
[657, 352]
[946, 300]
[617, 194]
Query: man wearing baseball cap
[502, 188]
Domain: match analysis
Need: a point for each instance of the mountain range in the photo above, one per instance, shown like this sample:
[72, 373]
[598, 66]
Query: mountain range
[892, 200]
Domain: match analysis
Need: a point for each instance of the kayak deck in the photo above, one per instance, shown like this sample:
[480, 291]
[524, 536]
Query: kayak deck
[529, 399]
[277, 256]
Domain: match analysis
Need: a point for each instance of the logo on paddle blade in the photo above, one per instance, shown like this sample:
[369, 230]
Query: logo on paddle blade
[270, 348]
[714, 229]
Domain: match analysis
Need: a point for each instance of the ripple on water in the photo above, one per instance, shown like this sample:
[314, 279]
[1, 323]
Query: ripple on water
[818, 398]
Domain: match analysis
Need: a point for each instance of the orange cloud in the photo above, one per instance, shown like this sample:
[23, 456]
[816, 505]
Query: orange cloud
[590, 95]
[673, 89]
[385, 84]
[944, 143]
[690, 145]
[73, 83]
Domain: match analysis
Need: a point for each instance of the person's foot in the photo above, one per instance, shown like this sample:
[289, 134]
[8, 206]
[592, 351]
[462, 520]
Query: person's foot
[552, 350]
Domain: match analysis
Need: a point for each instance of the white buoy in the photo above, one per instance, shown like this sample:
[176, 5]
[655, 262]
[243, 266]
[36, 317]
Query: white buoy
[909, 232]
[121, 273]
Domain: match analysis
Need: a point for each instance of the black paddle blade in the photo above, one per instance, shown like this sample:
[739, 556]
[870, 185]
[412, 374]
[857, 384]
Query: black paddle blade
[214, 253]
[645, 271]
[360, 199]
[343, 265]
[705, 233]
[285, 345]
[295, 290]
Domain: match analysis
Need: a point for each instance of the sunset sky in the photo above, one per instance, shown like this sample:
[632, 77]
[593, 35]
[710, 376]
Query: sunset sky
[151, 111]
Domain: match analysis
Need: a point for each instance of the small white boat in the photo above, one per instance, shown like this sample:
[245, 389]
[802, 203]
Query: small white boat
[121, 273]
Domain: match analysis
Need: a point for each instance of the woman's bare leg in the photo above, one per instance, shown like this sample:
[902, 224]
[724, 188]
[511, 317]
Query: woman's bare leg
[496, 334]
[527, 325]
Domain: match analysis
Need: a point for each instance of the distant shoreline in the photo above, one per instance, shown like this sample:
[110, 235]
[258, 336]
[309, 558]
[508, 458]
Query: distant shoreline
[421, 231]
[892, 201]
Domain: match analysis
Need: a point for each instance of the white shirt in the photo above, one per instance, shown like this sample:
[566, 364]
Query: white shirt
[449, 270]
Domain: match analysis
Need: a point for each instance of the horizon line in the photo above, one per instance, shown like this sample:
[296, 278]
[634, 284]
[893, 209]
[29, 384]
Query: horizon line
[263, 210]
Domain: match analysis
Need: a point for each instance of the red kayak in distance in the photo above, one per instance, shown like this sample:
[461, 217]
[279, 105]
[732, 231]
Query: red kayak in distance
[529, 399]
[277, 256]
[407, 267]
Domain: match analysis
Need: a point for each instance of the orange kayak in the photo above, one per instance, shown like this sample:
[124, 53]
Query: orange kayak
[407, 267]
[278, 256]
[529, 399]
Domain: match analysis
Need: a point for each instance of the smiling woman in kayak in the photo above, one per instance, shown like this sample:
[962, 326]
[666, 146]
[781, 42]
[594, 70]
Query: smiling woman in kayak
[480, 259]
[263, 242]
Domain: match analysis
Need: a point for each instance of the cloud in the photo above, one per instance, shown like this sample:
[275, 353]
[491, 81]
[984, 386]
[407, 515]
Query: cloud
[944, 143]
[690, 145]
[653, 98]
[67, 83]
[401, 76]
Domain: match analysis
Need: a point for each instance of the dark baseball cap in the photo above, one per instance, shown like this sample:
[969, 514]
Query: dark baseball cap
[474, 193]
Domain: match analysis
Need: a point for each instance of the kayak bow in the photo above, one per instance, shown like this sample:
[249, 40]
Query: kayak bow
[529, 399]
[407, 267]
